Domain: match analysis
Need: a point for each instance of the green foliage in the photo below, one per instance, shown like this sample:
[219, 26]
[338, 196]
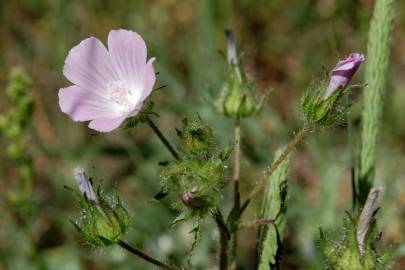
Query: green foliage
[102, 223]
[274, 208]
[14, 124]
[378, 52]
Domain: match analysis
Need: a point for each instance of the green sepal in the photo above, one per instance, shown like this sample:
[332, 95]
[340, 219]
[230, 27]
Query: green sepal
[103, 222]
[142, 116]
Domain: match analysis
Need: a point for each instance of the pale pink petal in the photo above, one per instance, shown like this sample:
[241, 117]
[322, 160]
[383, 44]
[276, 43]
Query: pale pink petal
[89, 66]
[106, 124]
[347, 66]
[128, 53]
[135, 110]
[149, 79]
[335, 83]
[84, 184]
[84, 105]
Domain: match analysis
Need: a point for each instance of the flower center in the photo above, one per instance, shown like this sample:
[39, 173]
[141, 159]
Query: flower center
[119, 93]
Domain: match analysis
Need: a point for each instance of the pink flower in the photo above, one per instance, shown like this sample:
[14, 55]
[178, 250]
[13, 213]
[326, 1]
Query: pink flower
[109, 85]
[343, 73]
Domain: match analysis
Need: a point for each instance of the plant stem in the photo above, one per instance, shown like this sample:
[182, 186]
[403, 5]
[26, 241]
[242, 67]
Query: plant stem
[236, 164]
[351, 151]
[224, 237]
[236, 177]
[223, 247]
[163, 139]
[144, 256]
[378, 51]
[290, 147]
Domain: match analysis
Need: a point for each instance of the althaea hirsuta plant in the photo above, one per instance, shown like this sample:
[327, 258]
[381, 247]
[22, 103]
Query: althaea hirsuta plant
[113, 85]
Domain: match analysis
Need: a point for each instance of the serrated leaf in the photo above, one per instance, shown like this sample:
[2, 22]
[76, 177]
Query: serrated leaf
[274, 208]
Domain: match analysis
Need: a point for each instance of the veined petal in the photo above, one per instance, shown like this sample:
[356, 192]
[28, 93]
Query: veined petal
[109, 85]
[149, 79]
[128, 53]
[343, 73]
[106, 124]
[89, 66]
[335, 83]
[84, 105]
[345, 66]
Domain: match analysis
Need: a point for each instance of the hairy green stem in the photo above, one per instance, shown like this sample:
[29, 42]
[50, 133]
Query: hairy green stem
[378, 51]
[236, 177]
[290, 147]
[351, 152]
[145, 256]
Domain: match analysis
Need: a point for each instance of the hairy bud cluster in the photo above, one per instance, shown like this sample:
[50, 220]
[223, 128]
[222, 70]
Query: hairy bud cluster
[195, 181]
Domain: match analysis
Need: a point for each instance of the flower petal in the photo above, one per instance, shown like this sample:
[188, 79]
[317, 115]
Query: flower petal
[345, 66]
[106, 124]
[84, 105]
[149, 79]
[84, 184]
[89, 66]
[128, 54]
[335, 82]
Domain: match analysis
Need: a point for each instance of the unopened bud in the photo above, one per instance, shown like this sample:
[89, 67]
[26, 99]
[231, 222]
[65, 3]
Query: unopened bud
[320, 103]
[343, 72]
[237, 99]
[104, 219]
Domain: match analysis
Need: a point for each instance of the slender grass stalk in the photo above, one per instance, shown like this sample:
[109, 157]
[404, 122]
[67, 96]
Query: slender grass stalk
[378, 51]
[273, 208]
[163, 139]
[290, 147]
[145, 256]
[236, 177]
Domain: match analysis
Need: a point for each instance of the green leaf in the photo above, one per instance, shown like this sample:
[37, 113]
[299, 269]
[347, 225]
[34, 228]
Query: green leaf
[274, 208]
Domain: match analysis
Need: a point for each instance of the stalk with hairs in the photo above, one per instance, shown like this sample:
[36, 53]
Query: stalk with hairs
[378, 50]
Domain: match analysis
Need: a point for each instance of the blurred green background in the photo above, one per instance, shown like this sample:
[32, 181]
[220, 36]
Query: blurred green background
[284, 45]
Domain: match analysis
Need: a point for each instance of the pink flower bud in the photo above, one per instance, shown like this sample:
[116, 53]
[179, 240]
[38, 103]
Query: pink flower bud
[343, 72]
[84, 183]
